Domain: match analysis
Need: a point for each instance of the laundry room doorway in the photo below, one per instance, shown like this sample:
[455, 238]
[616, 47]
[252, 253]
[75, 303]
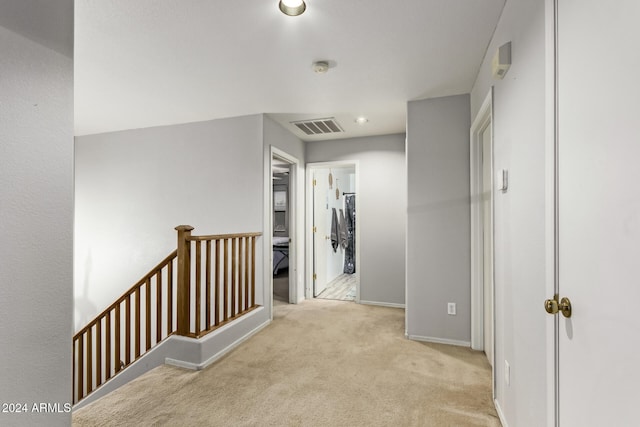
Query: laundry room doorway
[332, 216]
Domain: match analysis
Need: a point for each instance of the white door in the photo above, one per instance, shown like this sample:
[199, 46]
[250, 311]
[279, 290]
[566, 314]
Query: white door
[320, 218]
[599, 211]
[487, 239]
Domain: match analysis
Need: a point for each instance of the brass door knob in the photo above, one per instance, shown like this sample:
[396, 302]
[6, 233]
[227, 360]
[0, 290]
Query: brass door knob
[565, 307]
[552, 306]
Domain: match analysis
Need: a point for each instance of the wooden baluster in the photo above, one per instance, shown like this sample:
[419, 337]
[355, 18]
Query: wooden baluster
[208, 286]
[127, 331]
[136, 329]
[118, 355]
[107, 352]
[233, 277]
[74, 386]
[147, 313]
[184, 279]
[80, 361]
[246, 273]
[253, 271]
[245, 283]
[216, 296]
[170, 299]
[89, 360]
[198, 284]
[159, 306]
[241, 262]
[241, 307]
[98, 353]
[225, 270]
[240, 274]
[247, 279]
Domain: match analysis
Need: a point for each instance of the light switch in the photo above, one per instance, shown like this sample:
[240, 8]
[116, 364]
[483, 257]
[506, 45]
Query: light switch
[503, 180]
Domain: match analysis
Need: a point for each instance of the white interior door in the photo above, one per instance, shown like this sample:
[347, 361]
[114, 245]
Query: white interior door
[487, 240]
[320, 242]
[599, 211]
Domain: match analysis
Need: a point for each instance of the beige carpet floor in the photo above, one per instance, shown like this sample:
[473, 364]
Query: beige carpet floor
[320, 363]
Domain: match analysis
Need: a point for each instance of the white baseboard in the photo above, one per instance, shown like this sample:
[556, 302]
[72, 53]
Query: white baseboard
[181, 364]
[218, 355]
[500, 414]
[382, 304]
[440, 340]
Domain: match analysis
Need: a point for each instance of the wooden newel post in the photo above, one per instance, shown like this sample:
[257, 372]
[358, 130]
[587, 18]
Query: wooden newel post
[184, 278]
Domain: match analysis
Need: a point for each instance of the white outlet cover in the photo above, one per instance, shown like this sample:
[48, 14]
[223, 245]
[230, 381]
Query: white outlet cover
[507, 373]
[451, 308]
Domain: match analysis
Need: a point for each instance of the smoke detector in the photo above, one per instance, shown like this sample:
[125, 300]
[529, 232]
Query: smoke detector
[321, 67]
[501, 61]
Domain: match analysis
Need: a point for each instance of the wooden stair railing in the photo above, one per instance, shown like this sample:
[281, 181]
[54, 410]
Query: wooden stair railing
[203, 299]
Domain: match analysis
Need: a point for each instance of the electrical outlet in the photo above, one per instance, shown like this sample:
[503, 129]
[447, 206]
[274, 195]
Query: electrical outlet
[507, 373]
[451, 308]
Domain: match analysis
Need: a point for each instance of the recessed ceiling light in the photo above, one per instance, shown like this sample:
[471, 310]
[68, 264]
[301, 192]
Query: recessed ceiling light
[361, 120]
[292, 7]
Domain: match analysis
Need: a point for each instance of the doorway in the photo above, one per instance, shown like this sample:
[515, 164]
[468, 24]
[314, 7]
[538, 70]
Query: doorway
[482, 192]
[283, 227]
[332, 215]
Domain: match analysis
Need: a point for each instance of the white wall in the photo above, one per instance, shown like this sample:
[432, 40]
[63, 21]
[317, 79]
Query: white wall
[36, 219]
[519, 144]
[381, 207]
[133, 187]
[277, 136]
[438, 228]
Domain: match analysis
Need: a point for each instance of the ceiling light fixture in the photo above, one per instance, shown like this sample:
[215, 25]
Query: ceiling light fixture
[321, 67]
[361, 120]
[292, 7]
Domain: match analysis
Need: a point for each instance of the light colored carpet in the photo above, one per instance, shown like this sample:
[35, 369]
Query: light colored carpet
[320, 363]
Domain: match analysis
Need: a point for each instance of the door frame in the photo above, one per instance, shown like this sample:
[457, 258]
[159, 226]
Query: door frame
[483, 119]
[293, 210]
[551, 208]
[310, 169]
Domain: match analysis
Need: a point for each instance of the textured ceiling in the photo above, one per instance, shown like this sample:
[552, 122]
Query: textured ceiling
[156, 62]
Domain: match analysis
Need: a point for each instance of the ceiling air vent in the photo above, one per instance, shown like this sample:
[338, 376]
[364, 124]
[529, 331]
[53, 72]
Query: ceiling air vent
[318, 126]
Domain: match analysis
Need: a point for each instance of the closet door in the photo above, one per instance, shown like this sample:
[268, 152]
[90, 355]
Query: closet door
[599, 211]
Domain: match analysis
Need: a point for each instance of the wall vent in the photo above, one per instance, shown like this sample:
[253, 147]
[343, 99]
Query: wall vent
[318, 126]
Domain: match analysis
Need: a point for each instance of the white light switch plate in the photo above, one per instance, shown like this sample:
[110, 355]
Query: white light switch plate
[503, 180]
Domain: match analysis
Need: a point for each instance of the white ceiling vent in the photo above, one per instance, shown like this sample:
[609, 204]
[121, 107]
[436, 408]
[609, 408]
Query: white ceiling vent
[318, 126]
